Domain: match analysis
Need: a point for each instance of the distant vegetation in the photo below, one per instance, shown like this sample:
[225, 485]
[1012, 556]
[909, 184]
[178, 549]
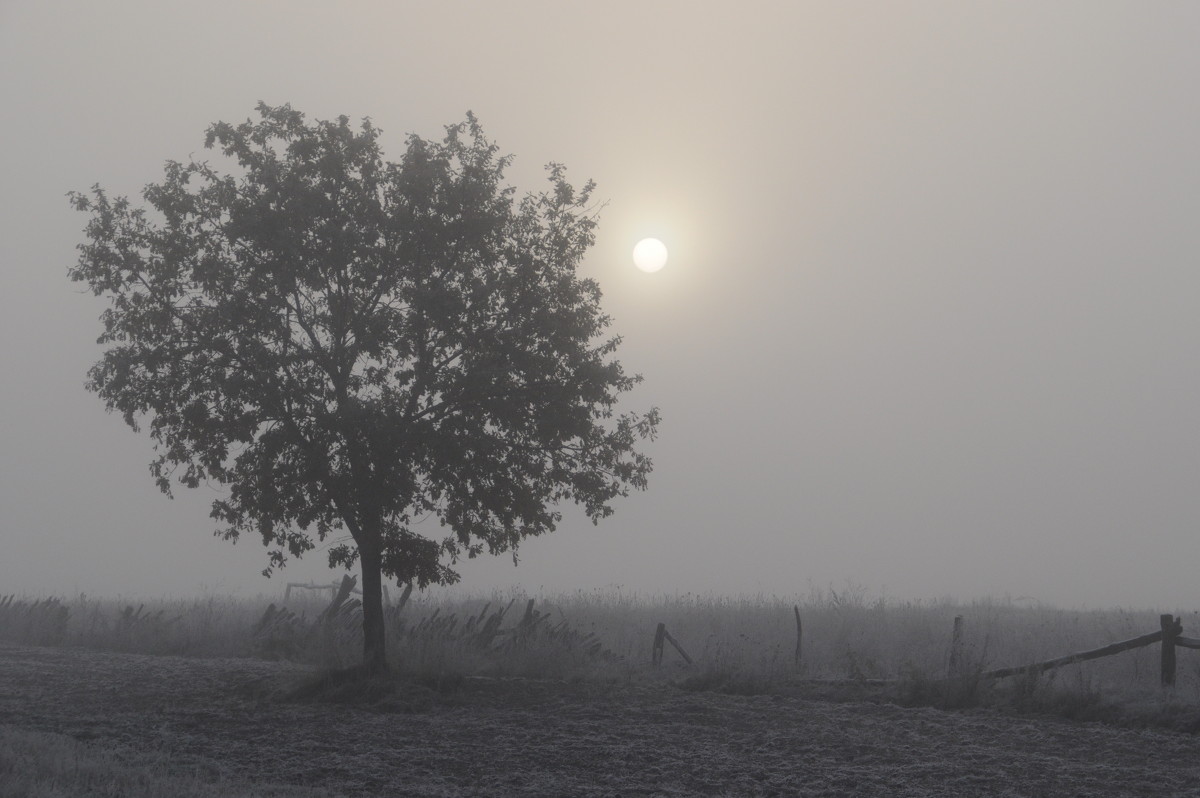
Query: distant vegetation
[853, 646]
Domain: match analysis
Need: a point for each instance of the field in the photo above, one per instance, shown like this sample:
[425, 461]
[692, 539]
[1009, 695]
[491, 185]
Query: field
[185, 698]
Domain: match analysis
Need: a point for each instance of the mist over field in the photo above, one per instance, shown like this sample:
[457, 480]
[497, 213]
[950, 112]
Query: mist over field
[927, 329]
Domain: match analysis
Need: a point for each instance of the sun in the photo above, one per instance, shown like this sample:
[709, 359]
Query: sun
[650, 255]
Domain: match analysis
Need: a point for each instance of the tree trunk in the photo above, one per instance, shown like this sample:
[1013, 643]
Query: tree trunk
[374, 654]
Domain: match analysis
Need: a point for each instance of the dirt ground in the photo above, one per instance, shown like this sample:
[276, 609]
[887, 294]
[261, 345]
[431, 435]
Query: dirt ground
[553, 739]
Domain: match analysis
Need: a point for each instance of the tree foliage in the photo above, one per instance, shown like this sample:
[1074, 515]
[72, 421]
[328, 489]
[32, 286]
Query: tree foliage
[352, 344]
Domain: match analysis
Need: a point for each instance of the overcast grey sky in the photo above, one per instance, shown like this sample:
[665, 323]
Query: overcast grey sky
[929, 323]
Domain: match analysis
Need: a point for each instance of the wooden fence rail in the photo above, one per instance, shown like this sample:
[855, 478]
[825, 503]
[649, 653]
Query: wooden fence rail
[333, 588]
[1082, 656]
[1170, 635]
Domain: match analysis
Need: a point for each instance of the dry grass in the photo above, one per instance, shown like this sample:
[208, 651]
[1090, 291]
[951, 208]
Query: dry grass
[740, 645]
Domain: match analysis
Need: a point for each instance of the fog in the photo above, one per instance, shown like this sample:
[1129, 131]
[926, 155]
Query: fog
[929, 324]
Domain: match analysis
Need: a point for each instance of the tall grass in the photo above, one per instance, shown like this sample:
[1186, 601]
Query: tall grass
[739, 645]
[202, 628]
[743, 644]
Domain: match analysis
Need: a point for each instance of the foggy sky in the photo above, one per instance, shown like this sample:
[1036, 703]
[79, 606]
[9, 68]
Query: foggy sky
[929, 324]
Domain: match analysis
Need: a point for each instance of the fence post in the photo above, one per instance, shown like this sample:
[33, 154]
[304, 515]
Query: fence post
[657, 652]
[955, 648]
[675, 644]
[1171, 628]
[799, 635]
[342, 592]
[408, 592]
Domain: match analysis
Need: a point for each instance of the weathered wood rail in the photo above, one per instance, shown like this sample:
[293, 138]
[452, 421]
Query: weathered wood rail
[1170, 635]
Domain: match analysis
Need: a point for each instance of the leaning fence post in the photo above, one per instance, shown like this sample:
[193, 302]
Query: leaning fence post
[657, 652]
[661, 635]
[955, 648]
[675, 644]
[799, 634]
[404, 597]
[1171, 629]
[339, 597]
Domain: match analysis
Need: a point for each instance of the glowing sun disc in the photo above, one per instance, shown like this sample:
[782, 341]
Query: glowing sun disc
[650, 255]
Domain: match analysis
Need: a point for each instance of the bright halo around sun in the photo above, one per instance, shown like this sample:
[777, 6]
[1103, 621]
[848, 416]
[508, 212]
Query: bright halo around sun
[650, 255]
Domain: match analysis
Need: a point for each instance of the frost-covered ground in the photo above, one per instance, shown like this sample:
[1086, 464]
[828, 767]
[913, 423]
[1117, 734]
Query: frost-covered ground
[224, 717]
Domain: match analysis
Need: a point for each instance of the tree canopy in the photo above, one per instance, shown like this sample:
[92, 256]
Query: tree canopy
[350, 344]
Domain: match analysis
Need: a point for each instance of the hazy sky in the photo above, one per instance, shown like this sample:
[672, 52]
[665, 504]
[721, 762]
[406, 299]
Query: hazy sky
[929, 326]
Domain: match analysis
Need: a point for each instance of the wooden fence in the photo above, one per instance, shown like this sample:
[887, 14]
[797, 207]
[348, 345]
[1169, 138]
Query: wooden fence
[333, 588]
[1170, 635]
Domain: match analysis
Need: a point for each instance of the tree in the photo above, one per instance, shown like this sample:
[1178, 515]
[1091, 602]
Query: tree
[351, 344]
